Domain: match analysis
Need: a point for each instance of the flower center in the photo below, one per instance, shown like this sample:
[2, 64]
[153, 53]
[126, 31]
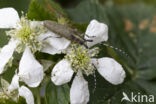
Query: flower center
[26, 33]
[80, 59]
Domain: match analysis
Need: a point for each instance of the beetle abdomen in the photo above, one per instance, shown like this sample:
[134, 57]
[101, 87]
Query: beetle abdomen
[58, 29]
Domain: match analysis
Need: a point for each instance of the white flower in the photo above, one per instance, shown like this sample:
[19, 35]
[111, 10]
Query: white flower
[28, 37]
[79, 59]
[108, 68]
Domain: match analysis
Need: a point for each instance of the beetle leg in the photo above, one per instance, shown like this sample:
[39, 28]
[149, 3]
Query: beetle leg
[90, 36]
[88, 40]
[84, 44]
[51, 37]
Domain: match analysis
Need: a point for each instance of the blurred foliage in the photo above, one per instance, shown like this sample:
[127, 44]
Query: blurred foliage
[68, 3]
[44, 10]
[19, 5]
[57, 94]
[124, 2]
[132, 28]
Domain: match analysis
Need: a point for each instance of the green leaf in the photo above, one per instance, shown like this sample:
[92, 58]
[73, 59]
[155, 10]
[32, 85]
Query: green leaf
[57, 94]
[17, 4]
[21, 100]
[45, 10]
[4, 40]
[84, 12]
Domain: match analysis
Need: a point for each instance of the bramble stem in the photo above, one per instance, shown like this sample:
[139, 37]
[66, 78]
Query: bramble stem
[38, 96]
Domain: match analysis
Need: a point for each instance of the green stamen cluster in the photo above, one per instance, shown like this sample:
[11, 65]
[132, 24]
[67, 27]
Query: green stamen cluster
[8, 96]
[3, 97]
[26, 33]
[80, 59]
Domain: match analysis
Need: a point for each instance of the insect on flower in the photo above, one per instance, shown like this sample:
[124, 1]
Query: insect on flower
[66, 32]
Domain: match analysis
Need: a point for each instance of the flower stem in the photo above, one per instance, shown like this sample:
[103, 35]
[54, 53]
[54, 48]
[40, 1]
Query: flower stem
[38, 96]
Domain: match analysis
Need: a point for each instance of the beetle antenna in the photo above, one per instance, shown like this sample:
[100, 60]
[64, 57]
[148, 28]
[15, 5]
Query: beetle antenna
[115, 48]
[95, 82]
[51, 37]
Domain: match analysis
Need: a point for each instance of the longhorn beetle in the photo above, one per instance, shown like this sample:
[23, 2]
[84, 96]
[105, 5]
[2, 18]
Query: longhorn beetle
[66, 32]
[72, 34]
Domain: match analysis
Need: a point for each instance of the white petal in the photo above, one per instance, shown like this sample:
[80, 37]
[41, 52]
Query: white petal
[59, 43]
[96, 31]
[30, 70]
[62, 72]
[111, 70]
[44, 36]
[79, 92]
[8, 18]
[50, 50]
[14, 83]
[27, 94]
[6, 53]
[56, 44]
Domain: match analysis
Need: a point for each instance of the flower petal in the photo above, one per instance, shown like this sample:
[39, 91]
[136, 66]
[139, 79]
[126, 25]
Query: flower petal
[14, 83]
[27, 94]
[30, 70]
[50, 50]
[58, 43]
[8, 18]
[54, 43]
[6, 53]
[96, 31]
[111, 70]
[62, 72]
[79, 92]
